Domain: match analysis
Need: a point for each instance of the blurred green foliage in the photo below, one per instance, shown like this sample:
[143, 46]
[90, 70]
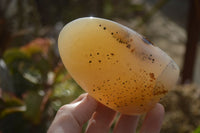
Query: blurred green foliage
[197, 130]
[41, 85]
[33, 82]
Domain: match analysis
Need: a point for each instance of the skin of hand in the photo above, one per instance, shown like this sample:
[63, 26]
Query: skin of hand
[71, 117]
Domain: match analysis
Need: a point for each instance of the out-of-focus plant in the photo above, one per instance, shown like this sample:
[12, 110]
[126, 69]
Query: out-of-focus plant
[40, 86]
[33, 81]
[197, 130]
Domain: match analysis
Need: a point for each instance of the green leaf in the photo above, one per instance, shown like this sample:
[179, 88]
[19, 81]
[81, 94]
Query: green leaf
[64, 93]
[27, 72]
[10, 104]
[33, 102]
[11, 110]
[10, 100]
[197, 130]
[5, 77]
[13, 55]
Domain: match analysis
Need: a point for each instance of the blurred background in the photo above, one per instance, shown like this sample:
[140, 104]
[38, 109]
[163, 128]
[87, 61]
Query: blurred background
[34, 83]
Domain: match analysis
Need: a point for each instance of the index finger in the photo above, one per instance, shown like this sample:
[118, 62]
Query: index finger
[71, 117]
[153, 120]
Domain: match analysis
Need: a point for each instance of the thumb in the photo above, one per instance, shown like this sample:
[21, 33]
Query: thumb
[71, 117]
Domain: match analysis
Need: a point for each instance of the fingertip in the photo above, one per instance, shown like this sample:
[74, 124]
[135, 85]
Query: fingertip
[81, 97]
[153, 120]
[102, 120]
[159, 109]
[84, 109]
[126, 123]
[91, 100]
[71, 117]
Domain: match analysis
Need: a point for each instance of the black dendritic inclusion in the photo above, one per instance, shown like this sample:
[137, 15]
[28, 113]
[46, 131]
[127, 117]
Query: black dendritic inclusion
[128, 46]
[148, 57]
[121, 40]
[151, 58]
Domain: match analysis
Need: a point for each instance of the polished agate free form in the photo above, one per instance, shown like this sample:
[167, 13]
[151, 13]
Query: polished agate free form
[117, 66]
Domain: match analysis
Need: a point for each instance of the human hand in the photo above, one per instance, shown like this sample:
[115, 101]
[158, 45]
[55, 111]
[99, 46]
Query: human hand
[71, 117]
